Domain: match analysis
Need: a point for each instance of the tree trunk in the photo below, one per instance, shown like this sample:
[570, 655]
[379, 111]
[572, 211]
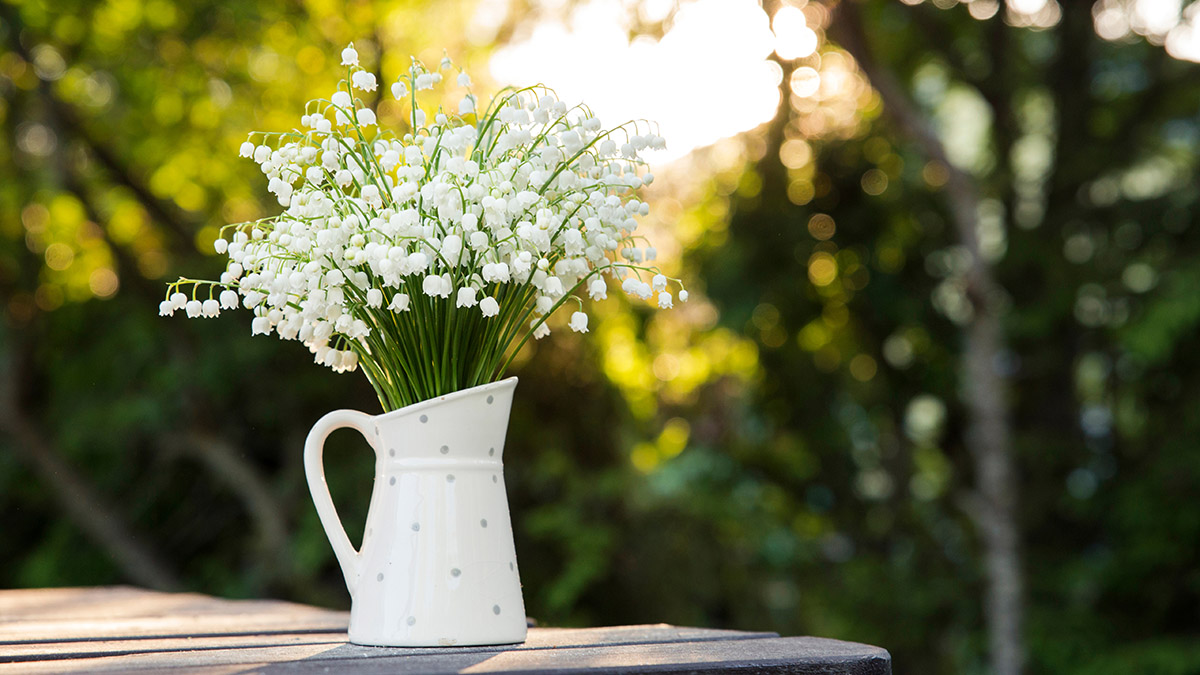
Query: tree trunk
[984, 387]
[76, 497]
[989, 439]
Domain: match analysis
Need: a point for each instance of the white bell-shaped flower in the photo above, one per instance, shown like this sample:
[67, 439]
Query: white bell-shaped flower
[364, 79]
[374, 298]
[370, 195]
[451, 249]
[432, 285]
[579, 322]
[466, 297]
[399, 302]
[598, 290]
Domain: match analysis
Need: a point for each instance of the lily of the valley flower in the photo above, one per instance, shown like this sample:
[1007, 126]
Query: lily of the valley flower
[391, 243]
[579, 322]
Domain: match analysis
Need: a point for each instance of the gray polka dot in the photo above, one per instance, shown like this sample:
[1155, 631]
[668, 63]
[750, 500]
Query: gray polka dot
[445, 449]
[424, 419]
[376, 431]
[450, 478]
[495, 478]
[392, 480]
[511, 566]
[379, 577]
[491, 452]
[495, 609]
[391, 452]
[412, 620]
[455, 572]
[483, 523]
[416, 527]
[491, 398]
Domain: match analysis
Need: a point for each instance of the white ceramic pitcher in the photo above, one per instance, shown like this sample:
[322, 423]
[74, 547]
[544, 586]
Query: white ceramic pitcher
[437, 565]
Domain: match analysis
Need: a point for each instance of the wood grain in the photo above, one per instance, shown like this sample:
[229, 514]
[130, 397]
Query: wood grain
[123, 629]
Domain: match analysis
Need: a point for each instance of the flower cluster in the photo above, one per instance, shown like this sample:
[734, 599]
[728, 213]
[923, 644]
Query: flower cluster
[425, 254]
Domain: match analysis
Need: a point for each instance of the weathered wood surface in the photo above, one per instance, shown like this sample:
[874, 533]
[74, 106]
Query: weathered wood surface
[124, 629]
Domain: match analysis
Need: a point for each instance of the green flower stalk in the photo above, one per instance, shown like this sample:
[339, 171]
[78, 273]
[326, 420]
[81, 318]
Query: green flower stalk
[427, 259]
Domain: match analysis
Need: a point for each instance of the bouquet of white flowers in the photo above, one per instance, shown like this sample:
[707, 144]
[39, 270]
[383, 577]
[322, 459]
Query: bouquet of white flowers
[429, 255]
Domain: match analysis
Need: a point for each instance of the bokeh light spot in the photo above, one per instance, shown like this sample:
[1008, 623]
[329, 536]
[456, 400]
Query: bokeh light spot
[821, 226]
[822, 269]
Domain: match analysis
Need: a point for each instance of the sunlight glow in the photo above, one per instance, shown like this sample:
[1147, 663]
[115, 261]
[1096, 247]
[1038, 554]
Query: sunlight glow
[1037, 14]
[793, 38]
[1026, 6]
[1161, 22]
[708, 78]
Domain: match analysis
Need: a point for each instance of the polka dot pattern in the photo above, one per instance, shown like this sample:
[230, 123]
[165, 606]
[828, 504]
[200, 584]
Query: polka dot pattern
[442, 516]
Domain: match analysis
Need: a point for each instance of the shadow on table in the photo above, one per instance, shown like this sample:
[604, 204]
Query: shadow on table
[727, 651]
[385, 660]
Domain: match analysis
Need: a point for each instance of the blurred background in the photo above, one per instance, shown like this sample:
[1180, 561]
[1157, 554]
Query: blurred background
[933, 390]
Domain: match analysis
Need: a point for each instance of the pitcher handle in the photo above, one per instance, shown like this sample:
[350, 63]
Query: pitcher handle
[314, 468]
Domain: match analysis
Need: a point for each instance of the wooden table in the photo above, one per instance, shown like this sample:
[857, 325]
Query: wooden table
[127, 629]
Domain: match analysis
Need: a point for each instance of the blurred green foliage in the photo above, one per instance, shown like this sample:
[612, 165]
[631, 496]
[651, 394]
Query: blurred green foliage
[785, 455]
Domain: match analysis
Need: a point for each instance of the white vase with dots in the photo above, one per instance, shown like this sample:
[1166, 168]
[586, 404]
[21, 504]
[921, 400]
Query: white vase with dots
[437, 566]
